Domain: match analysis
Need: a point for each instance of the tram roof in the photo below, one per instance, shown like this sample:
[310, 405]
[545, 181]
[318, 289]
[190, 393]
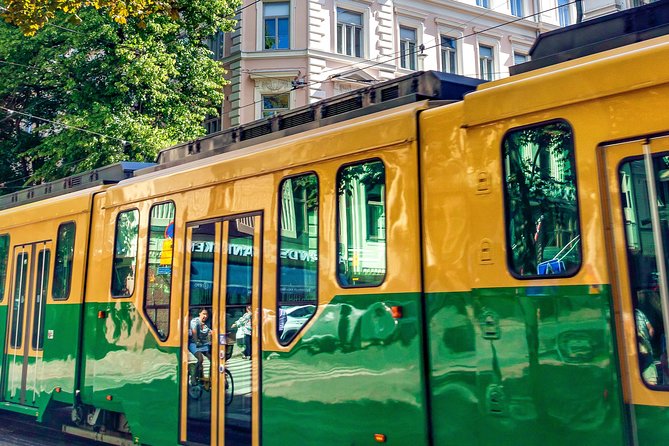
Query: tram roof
[597, 35]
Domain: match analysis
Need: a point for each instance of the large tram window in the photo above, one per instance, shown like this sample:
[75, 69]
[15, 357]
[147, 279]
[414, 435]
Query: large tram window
[4, 256]
[159, 268]
[361, 217]
[125, 254]
[298, 255]
[62, 277]
[543, 234]
[641, 234]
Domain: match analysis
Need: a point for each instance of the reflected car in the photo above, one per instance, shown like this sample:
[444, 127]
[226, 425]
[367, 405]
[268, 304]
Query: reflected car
[293, 319]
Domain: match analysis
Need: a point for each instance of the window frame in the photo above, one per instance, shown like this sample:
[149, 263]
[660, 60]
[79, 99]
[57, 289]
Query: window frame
[68, 290]
[443, 50]
[278, 245]
[507, 213]
[338, 221]
[564, 12]
[343, 41]
[411, 57]
[263, 31]
[492, 60]
[146, 274]
[139, 216]
[519, 10]
[3, 280]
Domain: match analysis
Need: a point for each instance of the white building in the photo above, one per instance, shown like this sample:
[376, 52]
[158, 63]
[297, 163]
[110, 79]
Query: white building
[288, 53]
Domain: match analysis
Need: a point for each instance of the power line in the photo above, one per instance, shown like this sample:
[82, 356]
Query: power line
[415, 51]
[9, 110]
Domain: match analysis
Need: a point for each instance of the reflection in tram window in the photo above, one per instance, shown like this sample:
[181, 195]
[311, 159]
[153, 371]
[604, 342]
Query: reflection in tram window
[644, 263]
[238, 308]
[202, 265]
[39, 307]
[298, 255]
[62, 277]
[20, 285]
[159, 268]
[4, 256]
[362, 224]
[543, 232]
[125, 254]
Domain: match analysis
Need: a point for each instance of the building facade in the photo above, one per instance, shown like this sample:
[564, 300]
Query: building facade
[288, 53]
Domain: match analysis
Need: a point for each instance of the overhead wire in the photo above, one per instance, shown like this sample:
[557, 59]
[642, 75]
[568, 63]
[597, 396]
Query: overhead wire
[415, 51]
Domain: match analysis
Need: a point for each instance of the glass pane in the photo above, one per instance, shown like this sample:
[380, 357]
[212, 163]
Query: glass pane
[43, 264]
[543, 233]
[361, 217]
[519, 58]
[270, 34]
[340, 36]
[284, 34]
[62, 276]
[276, 9]
[275, 103]
[202, 266]
[239, 323]
[125, 254]
[159, 268]
[407, 34]
[349, 17]
[447, 42]
[4, 256]
[349, 40]
[643, 260]
[298, 255]
[201, 288]
[358, 42]
[20, 285]
[485, 52]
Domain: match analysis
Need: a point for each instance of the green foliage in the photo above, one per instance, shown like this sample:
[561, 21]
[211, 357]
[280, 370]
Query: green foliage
[541, 201]
[136, 88]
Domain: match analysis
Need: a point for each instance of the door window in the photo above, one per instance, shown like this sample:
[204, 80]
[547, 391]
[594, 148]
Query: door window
[646, 223]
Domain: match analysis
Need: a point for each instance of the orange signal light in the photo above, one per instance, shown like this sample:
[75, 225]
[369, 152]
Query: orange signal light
[380, 438]
[102, 314]
[396, 311]
[58, 389]
[109, 397]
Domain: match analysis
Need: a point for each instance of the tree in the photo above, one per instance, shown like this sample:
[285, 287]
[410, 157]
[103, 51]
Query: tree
[76, 97]
[32, 15]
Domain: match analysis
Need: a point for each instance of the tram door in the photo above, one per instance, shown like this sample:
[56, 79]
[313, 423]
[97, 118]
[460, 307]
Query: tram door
[25, 328]
[220, 347]
[636, 175]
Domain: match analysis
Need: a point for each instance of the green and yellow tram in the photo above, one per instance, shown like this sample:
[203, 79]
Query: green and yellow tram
[425, 261]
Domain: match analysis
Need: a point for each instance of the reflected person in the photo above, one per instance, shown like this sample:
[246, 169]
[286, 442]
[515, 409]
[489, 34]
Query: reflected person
[244, 329]
[199, 341]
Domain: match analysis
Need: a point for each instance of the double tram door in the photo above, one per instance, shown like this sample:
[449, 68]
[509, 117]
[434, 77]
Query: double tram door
[635, 187]
[25, 327]
[220, 338]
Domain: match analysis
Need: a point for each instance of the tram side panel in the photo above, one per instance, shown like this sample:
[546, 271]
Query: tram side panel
[528, 358]
[43, 295]
[354, 369]
[127, 370]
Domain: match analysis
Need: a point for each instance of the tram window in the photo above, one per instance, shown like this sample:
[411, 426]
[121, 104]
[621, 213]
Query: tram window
[125, 254]
[4, 255]
[543, 233]
[298, 255]
[159, 268]
[39, 310]
[20, 287]
[361, 217]
[643, 260]
[62, 277]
